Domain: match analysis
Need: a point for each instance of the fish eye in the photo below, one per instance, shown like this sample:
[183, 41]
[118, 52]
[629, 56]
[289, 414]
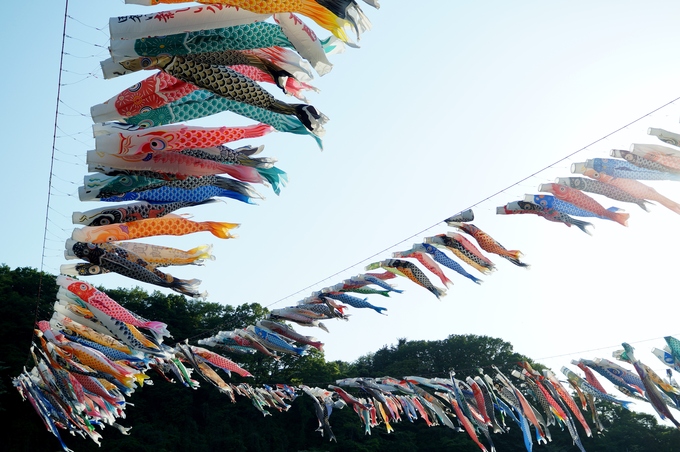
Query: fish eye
[83, 287]
[125, 180]
[102, 220]
[157, 144]
[93, 270]
[563, 188]
[110, 238]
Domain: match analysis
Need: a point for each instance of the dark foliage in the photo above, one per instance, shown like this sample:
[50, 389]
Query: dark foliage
[170, 417]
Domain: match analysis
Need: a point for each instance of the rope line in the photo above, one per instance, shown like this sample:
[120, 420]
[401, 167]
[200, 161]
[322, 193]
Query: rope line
[534, 174]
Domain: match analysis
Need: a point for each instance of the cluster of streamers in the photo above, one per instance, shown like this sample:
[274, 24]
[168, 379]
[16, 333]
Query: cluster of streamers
[617, 178]
[215, 58]
[205, 60]
[110, 257]
[268, 337]
[431, 254]
[94, 353]
[332, 302]
[478, 405]
[481, 405]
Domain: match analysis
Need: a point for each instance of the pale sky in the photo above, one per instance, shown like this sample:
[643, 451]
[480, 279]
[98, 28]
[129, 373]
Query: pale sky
[442, 108]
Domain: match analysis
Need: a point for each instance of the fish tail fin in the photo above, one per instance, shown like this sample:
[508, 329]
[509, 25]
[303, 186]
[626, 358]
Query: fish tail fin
[240, 197]
[295, 88]
[187, 287]
[643, 204]
[201, 252]
[439, 292]
[622, 218]
[583, 225]
[515, 254]
[275, 176]
[279, 74]
[627, 405]
[326, 18]
[311, 118]
[672, 205]
[257, 130]
[476, 280]
[221, 229]
[380, 310]
[517, 262]
[140, 377]
[159, 329]
[243, 173]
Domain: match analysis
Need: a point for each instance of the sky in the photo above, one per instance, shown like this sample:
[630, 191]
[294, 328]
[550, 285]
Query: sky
[440, 109]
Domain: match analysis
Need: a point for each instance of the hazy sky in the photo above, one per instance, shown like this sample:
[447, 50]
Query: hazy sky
[442, 108]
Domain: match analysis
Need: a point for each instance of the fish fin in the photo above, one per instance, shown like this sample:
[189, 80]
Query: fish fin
[380, 310]
[627, 405]
[325, 18]
[187, 287]
[517, 262]
[220, 229]
[622, 218]
[275, 176]
[159, 329]
[201, 252]
[583, 225]
[311, 118]
[257, 130]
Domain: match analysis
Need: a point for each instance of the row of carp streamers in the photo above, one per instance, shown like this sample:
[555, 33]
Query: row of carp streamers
[206, 59]
[144, 156]
[618, 178]
[94, 353]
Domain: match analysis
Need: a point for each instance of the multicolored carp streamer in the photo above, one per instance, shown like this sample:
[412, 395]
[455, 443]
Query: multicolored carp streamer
[487, 243]
[226, 82]
[256, 35]
[409, 270]
[125, 139]
[191, 18]
[129, 212]
[583, 201]
[333, 16]
[201, 103]
[170, 224]
[112, 258]
[520, 207]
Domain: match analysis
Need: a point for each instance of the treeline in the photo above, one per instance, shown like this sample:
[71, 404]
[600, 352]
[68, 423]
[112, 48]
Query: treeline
[171, 417]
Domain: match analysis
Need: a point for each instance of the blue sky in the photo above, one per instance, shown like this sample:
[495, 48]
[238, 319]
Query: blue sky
[440, 109]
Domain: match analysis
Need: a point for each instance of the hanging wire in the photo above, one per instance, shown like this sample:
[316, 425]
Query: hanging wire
[54, 147]
[534, 174]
